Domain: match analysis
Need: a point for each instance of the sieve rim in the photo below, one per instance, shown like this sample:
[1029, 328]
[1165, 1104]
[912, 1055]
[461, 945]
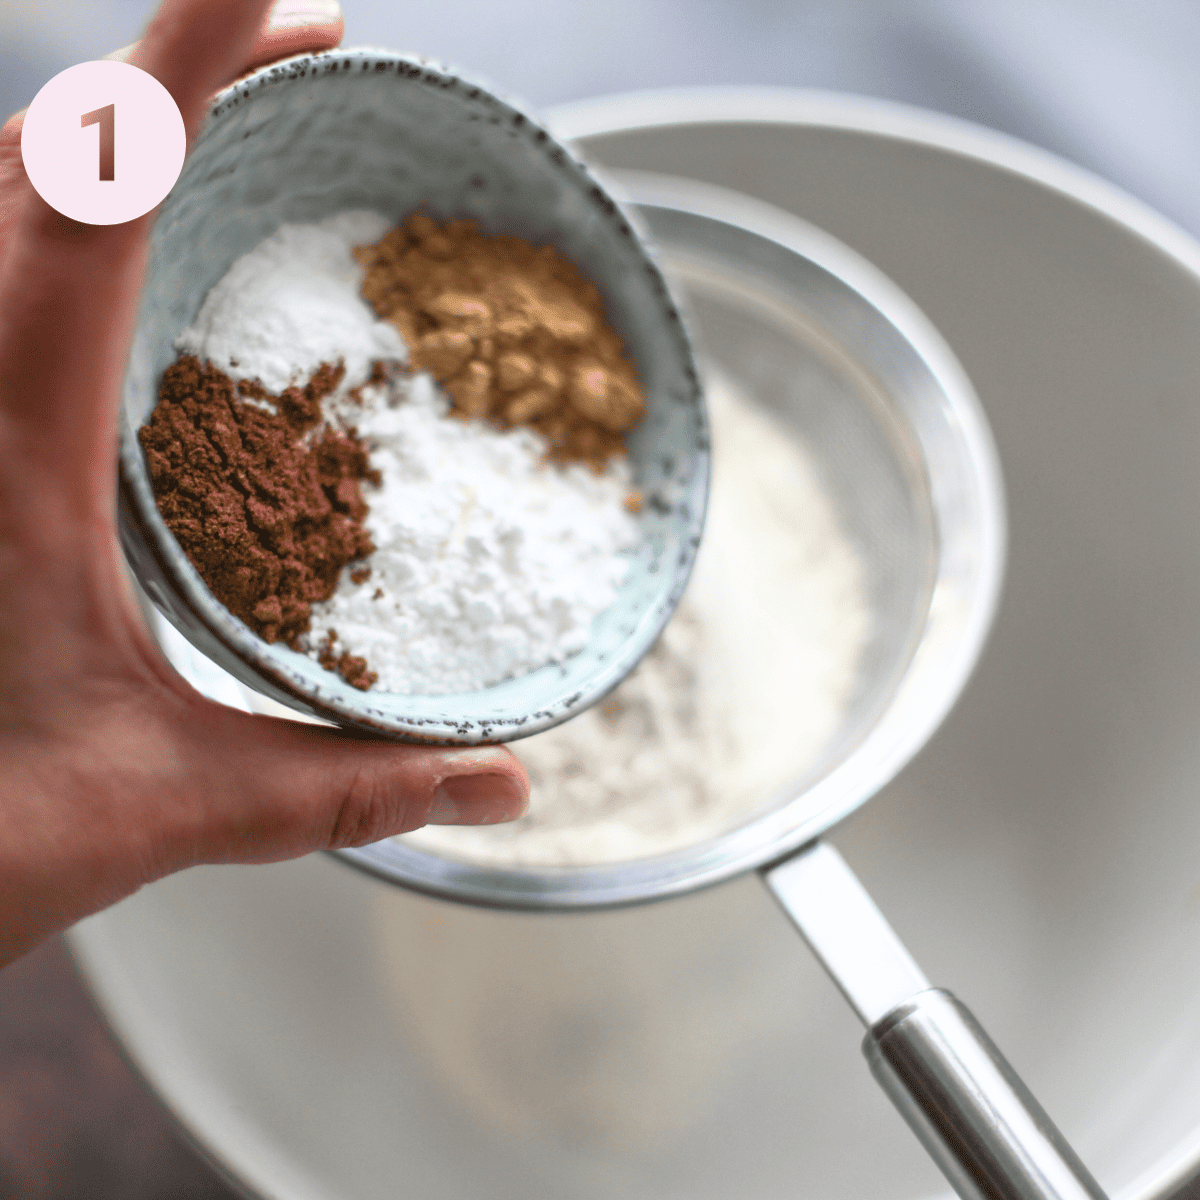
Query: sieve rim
[922, 697]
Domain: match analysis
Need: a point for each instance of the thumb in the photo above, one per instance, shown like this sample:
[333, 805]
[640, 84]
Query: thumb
[259, 789]
[68, 292]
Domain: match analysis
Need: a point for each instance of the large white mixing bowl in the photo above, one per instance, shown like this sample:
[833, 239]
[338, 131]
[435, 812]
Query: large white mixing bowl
[325, 1037]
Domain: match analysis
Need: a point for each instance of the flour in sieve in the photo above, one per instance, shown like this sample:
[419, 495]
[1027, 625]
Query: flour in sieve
[746, 686]
[488, 563]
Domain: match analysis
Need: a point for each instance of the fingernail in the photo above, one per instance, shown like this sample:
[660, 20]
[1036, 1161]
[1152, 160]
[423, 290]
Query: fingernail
[477, 800]
[289, 14]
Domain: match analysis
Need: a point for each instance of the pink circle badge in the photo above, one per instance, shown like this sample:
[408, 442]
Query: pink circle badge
[103, 142]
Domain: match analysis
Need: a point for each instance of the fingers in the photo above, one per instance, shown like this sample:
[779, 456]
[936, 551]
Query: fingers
[143, 784]
[68, 292]
[292, 27]
[296, 27]
[13, 183]
[195, 47]
[256, 789]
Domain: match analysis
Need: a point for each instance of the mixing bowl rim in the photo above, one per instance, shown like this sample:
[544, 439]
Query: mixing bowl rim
[735, 104]
[626, 112]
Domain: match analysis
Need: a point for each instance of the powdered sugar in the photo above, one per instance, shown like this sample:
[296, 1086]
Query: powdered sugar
[293, 303]
[488, 563]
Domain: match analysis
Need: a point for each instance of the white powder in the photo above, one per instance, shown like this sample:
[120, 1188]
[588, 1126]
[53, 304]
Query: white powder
[746, 686]
[488, 564]
[293, 303]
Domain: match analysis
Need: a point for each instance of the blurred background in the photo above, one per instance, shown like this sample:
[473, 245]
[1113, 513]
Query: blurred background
[1109, 84]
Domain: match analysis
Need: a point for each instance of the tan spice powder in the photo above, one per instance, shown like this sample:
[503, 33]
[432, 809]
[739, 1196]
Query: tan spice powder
[512, 332]
[267, 515]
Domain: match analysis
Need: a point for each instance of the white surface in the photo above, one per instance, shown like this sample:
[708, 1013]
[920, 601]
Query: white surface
[327, 1037]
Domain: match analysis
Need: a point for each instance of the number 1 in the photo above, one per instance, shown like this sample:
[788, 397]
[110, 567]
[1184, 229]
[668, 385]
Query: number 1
[106, 118]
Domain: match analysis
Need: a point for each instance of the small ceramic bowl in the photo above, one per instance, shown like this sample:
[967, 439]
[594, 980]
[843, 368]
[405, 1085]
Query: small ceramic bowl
[321, 134]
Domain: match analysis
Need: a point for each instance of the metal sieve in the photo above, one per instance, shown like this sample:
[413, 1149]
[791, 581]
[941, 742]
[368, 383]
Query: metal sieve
[848, 364]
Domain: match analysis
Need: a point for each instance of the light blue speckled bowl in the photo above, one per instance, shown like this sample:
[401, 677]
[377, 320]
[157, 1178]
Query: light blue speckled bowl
[359, 129]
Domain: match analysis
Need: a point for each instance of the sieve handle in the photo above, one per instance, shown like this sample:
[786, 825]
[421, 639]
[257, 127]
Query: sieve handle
[978, 1121]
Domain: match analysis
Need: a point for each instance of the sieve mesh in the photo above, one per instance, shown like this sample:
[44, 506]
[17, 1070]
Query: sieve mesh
[869, 462]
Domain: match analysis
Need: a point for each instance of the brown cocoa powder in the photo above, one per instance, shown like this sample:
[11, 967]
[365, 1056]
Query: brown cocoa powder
[350, 667]
[512, 332]
[268, 509]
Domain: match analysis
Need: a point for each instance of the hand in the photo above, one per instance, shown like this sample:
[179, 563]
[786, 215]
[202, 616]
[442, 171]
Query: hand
[113, 772]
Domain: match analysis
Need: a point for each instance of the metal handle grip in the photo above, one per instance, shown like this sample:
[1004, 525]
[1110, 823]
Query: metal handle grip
[979, 1122]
